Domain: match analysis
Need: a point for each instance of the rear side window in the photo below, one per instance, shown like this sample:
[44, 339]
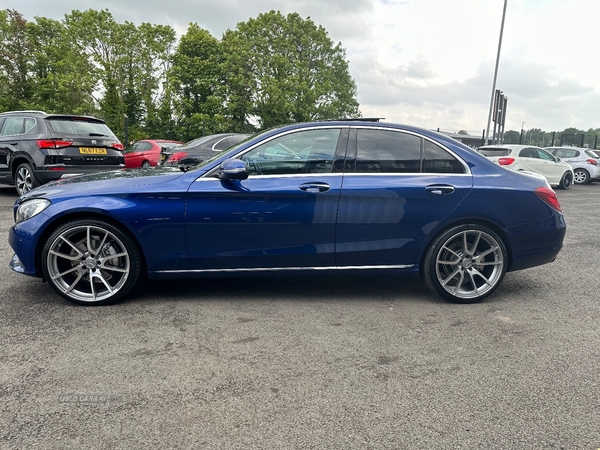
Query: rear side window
[564, 153]
[438, 160]
[493, 152]
[382, 151]
[79, 127]
[529, 153]
[17, 125]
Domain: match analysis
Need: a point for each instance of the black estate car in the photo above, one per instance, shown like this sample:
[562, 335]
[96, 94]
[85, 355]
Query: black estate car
[36, 148]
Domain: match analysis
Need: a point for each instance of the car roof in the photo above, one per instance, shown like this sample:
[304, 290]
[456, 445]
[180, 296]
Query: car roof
[45, 115]
[510, 146]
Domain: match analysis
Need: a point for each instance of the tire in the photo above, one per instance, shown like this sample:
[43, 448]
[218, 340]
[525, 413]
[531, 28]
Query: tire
[465, 264]
[567, 181]
[91, 262]
[25, 180]
[146, 165]
[582, 176]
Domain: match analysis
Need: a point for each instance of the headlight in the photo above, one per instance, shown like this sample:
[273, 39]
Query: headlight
[31, 208]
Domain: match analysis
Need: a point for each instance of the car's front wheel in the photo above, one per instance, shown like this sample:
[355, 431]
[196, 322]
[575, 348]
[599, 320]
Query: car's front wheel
[25, 179]
[465, 264]
[567, 181]
[146, 165]
[91, 262]
[581, 176]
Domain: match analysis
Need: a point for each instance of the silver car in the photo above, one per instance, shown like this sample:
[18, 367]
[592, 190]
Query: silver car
[584, 161]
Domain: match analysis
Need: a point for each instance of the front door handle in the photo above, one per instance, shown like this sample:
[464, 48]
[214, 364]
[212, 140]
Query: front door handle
[440, 189]
[314, 187]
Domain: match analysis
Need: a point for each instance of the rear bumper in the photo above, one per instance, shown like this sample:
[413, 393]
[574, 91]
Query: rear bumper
[538, 243]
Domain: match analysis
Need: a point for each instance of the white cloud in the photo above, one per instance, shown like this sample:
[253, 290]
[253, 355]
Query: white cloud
[424, 62]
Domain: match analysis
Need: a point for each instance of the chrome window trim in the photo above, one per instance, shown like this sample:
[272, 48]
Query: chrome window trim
[421, 136]
[323, 175]
[412, 174]
[211, 172]
[281, 269]
[291, 175]
[215, 144]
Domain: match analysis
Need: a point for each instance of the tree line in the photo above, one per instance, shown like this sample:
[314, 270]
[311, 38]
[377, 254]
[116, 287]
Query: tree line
[268, 71]
[570, 136]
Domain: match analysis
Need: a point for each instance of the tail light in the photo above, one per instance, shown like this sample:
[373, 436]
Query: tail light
[592, 162]
[53, 143]
[506, 161]
[549, 197]
[118, 146]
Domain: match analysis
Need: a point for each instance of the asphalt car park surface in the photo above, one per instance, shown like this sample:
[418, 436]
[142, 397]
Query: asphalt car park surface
[360, 362]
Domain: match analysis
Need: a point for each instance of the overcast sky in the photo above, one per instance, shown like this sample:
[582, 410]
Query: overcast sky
[423, 62]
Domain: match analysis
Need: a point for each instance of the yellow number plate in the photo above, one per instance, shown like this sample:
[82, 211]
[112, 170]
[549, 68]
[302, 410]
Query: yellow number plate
[92, 151]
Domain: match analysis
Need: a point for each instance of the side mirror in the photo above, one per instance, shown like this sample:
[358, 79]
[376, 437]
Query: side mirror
[557, 159]
[233, 169]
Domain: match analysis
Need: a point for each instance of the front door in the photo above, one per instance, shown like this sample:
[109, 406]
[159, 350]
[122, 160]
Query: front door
[282, 216]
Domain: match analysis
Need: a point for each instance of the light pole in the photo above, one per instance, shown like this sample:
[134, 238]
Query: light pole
[521, 135]
[487, 130]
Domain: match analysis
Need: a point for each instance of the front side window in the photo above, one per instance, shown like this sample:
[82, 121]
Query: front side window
[303, 152]
[543, 154]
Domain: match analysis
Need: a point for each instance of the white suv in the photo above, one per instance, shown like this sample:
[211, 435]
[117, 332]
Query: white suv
[584, 161]
[531, 159]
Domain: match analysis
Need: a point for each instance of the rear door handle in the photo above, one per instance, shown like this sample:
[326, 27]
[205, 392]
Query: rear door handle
[314, 187]
[440, 189]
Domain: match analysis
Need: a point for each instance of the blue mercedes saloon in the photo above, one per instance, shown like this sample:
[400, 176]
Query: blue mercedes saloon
[330, 197]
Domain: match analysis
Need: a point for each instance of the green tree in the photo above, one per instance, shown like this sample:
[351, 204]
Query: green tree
[511, 137]
[16, 85]
[196, 84]
[284, 69]
[64, 77]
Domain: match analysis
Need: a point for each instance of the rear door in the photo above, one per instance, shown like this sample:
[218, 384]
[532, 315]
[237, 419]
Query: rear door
[529, 159]
[397, 188]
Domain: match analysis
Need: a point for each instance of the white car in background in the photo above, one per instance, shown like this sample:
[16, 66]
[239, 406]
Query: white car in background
[531, 159]
[584, 161]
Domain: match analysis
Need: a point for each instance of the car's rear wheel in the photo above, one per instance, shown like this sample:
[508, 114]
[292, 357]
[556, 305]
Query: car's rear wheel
[25, 180]
[146, 165]
[91, 262]
[567, 181]
[582, 176]
[465, 264]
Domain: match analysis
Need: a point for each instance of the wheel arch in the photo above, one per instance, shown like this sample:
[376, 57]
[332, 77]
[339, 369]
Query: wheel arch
[19, 159]
[85, 215]
[465, 221]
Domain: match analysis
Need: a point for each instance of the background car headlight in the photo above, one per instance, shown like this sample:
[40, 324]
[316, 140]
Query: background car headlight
[31, 208]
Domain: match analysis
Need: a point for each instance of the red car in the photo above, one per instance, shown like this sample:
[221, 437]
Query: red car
[146, 153]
